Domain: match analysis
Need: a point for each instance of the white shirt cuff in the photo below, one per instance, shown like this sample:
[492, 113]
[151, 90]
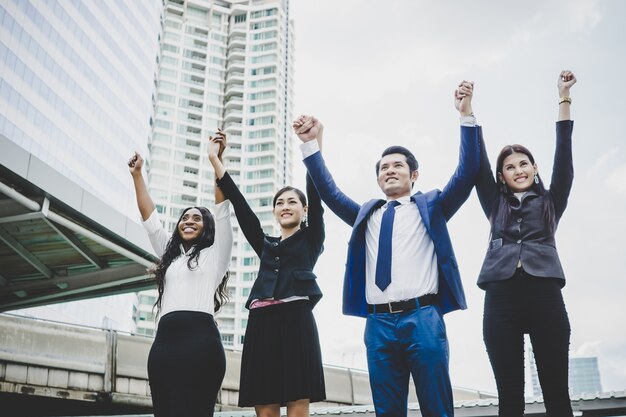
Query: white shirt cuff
[468, 121]
[309, 148]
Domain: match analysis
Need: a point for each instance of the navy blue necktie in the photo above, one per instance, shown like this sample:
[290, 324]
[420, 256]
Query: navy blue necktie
[383, 262]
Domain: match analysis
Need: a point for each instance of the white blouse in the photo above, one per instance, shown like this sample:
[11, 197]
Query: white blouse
[193, 290]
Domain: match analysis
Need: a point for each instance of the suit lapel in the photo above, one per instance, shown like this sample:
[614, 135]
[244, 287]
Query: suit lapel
[366, 210]
[422, 206]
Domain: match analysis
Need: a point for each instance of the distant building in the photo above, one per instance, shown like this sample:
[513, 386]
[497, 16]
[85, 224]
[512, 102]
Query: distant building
[584, 376]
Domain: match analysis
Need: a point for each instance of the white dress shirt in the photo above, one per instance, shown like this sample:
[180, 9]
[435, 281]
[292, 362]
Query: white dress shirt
[193, 289]
[413, 259]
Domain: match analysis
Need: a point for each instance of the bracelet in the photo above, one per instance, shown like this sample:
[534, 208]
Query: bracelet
[565, 100]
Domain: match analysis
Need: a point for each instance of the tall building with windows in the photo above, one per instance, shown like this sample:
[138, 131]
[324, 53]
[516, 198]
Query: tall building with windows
[76, 78]
[584, 376]
[226, 64]
[76, 81]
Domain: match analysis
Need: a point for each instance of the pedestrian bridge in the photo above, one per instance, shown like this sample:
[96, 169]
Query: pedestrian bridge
[66, 369]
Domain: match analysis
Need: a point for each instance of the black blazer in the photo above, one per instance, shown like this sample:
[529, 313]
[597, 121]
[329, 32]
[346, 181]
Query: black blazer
[286, 265]
[525, 237]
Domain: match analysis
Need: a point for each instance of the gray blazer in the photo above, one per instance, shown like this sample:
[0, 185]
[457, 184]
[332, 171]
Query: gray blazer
[525, 236]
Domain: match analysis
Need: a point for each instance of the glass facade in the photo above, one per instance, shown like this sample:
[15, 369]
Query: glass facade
[584, 376]
[77, 80]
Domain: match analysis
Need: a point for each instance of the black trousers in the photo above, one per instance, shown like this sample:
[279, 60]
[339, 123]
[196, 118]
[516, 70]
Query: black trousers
[186, 365]
[533, 305]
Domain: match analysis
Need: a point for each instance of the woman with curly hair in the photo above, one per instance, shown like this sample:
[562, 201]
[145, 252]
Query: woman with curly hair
[186, 364]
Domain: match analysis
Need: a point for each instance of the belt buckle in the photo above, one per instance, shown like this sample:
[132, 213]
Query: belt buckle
[391, 310]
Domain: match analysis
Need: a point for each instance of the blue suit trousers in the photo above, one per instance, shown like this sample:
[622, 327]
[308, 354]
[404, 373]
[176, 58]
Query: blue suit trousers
[409, 343]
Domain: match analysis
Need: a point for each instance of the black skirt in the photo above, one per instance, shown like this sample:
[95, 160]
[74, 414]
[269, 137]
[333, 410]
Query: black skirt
[186, 365]
[281, 360]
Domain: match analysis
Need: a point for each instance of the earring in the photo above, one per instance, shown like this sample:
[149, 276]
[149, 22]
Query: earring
[536, 179]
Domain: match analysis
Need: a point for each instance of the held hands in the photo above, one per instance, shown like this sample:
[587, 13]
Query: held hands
[566, 80]
[135, 163]
[217, 144]
[463, 97]
[308, 128]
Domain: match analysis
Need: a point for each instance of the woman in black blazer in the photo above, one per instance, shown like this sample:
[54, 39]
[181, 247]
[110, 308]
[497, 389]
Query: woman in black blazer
[281, 363]
[521, 274]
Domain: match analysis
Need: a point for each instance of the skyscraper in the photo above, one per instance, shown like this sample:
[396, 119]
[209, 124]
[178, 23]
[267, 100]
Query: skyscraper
[584, 375]
[225, 64]
[76, 81]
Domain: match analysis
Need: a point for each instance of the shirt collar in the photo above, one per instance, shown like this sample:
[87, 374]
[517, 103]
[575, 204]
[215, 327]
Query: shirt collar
[182, 249]
[402, 200]
[516, 202]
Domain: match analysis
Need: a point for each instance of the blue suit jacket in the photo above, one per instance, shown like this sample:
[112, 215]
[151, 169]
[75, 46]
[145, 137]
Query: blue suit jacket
[436, 207]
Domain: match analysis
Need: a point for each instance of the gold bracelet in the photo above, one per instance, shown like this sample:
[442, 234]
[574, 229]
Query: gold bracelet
[565, 100]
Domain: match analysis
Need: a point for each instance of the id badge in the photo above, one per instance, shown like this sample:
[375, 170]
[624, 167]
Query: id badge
[495, 244]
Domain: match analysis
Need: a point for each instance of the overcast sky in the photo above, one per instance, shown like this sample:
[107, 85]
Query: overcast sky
[381, 73]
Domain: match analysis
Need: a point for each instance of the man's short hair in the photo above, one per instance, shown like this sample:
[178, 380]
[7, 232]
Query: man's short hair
[410, 158]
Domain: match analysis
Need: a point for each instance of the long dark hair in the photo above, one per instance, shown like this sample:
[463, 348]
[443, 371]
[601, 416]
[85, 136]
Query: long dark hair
[172, 251]
[300, 195]
[502, 208]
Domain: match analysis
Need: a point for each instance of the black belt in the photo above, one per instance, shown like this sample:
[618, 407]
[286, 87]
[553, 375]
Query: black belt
[400, 306]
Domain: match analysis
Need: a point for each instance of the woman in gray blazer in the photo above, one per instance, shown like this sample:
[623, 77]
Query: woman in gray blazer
[521, 274]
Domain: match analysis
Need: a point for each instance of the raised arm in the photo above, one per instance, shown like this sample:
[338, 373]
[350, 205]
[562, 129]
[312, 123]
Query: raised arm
[486, 185]
[316, 211]
[223, 238]
[144, 202]
[460, 185]
[310, 130]
[248, 221]
[157, 235]
[566, 80]
[563, 168]
[216, 150]
[315, 214]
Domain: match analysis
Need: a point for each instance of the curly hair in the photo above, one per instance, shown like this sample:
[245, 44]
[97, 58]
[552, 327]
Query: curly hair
[172, 251]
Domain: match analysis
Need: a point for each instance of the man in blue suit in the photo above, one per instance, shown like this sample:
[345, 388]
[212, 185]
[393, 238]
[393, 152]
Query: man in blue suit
[401, 273]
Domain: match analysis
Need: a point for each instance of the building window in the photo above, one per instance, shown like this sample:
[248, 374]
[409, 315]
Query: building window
[250, 261]
[227, 339]
[248, 276]
[147, 299]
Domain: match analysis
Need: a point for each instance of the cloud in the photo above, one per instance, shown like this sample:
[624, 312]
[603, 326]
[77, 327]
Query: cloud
[616, 180]
[584, 15]
[587, 349]
[601, 163]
